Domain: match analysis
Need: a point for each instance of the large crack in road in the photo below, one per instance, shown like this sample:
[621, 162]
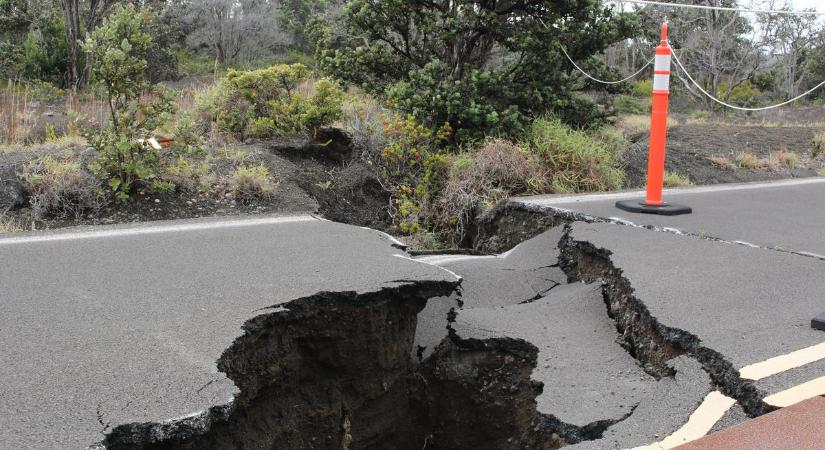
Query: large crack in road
[553, 343]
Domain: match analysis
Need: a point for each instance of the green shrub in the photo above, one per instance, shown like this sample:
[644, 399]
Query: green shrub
[745, 94]
[642, 89]
[119, 48]
[59, 188]
[251, 183]
[572, 160]
[630, 105]
[413, 171]
[269, 102]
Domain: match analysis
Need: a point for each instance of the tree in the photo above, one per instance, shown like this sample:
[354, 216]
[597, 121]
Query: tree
[79, 17]
[793, 36]
[235, 29]
[119, 47]
[483, 67]
[295, 15]
[721, 49]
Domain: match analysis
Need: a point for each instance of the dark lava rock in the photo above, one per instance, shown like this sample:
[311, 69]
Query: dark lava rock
[327, 144]
[11, 189]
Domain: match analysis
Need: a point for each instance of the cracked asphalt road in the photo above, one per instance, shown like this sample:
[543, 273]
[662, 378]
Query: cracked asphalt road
[112, 325]
[785, 215]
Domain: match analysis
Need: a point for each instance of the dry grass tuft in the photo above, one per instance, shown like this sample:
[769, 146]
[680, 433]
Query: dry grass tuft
[747, 160]
[634, 124]
[723, 162]
[60, 188]
[784, 158]
[674, 180]
[250, 183]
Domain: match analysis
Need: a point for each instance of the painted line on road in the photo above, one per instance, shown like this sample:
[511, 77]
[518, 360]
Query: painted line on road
[797, 393]
[716, 404]
[155, 229]
[783, 363]
[713, 407]
[550, 200]
[457, 276]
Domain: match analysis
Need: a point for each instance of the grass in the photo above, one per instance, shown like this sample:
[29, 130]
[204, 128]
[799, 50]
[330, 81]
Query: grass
[573, 160]
[784, 158]
[250, 183]
[634, 124]
[674, 180]
[8, 226]
[818, 145]
[821, 172]
[747, 160]
[723, 162]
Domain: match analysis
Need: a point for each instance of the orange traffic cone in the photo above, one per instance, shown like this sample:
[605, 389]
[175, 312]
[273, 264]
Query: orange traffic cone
[653, 204]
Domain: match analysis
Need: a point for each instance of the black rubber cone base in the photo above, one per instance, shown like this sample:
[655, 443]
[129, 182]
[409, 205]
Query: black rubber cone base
[666, 209]
[819, 322]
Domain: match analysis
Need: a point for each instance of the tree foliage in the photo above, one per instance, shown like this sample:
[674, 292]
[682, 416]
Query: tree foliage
[119, 47]
[484, 67]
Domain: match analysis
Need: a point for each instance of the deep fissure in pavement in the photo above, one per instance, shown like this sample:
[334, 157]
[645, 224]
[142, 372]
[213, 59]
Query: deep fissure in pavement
[650, 341]
[337, 371]
[334, 371]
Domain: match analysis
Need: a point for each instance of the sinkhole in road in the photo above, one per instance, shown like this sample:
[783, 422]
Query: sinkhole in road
[336, 371]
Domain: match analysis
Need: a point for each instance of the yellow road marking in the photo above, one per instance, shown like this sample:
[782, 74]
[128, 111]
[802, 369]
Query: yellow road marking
[797, 393]
[783, 363]
[713, 407]
[716, 404]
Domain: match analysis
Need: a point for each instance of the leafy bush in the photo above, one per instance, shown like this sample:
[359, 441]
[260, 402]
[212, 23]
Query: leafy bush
[479, 66]
[745, 94]
[251, 183]
[572, 160]
[412, 170]
[630, 105]
[642, 88]
[119, 47]
[45, 54]
[60, 188]
[268, 102]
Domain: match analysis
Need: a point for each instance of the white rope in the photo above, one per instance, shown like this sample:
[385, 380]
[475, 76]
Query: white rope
[603, 81]
[722, 8]
[739, 108]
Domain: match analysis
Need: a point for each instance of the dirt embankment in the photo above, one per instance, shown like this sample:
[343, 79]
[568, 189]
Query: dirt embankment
[317, 175]
[690, 150]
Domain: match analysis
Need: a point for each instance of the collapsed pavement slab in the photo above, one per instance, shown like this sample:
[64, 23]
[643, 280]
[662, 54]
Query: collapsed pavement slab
[727, 305]
[524, 273]
[129, 335]
[661, 411]
[587, 377]
[782, 214]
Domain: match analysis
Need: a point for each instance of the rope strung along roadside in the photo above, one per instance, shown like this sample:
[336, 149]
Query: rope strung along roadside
[739, 108]
[591, 76]
[603, 81]
[722, 8]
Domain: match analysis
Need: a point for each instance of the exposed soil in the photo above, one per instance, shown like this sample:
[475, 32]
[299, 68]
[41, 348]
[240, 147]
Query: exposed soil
[690, 147]
[313, 175]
